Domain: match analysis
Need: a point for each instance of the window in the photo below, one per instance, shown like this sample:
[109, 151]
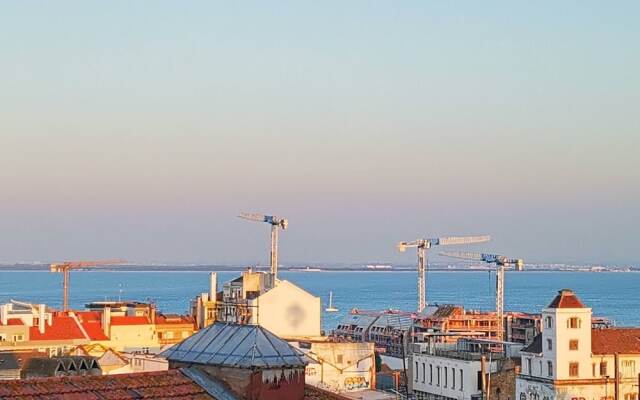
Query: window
[523, 396]
[453, 378]
[549, 344]
[430, 374]
[416, 374]
[446, 376]
[438, 376]
[573, 344]
[573, 369]
[573, 323]
[423, 372]
[593, 369]
[550, 368]
[628, 368]
[529, 366]
[18, 338]
[461, 380]
[603, 368]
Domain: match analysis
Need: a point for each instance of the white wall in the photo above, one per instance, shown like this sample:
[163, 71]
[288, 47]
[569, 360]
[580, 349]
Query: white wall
[430, 384]
[288, 311]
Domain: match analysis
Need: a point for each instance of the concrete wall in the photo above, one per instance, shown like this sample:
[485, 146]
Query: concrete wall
[124, 337]
[438, 377]
[341, 367]
[288, 311]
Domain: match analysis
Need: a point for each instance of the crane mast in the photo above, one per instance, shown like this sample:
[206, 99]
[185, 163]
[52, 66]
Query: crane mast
[500, 261]
[66, 267]
[422, 245]
[276, 223]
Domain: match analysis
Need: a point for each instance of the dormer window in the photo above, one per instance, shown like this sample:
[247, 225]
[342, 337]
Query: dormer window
[574, 323]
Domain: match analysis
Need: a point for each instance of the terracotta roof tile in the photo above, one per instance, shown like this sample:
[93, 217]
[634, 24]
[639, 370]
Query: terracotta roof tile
[566, 299]
[130, 320]
[14, 321]
[615, 340]
[62, 327]
[171, 384]
[94, 330]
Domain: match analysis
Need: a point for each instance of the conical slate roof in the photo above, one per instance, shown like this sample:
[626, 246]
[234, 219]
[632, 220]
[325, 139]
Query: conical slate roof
[238, 346]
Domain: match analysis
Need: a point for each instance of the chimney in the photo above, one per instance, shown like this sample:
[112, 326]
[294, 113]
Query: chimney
[106, 321]
[41, 316]
[3, 314]
[152, 311]
[214, 286]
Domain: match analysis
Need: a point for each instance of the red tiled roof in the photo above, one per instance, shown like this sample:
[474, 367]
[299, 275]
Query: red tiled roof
[62, 328]
[14, 321]
[566, 299]
[89, 316]
[615, 340]
[130, 320]
[171, 384]
[94, 330]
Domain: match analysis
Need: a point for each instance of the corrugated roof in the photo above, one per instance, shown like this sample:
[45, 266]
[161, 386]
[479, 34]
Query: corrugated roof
[239, 346]
[358, 320]
[393, 320]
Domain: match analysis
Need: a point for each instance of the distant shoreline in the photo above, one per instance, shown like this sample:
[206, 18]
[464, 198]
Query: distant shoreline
[173, 269]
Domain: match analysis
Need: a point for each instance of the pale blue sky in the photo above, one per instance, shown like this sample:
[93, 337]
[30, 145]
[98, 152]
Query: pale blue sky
[140, 129]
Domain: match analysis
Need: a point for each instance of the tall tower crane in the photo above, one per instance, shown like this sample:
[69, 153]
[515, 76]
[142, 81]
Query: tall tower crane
[422, 245]
[500, 261]
[66, 267]
[276, 224]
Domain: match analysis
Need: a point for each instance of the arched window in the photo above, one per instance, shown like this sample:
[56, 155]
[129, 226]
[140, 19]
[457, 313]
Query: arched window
[523, 396]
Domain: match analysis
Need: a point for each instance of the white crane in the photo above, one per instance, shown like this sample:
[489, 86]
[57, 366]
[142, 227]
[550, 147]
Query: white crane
[422, 245]
[276, 224]
[500, 261]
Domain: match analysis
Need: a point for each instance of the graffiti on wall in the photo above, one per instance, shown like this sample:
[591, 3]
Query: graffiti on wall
[355, 382]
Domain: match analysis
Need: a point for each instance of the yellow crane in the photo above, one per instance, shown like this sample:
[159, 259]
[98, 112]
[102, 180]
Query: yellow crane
[66, 267]
[276, 224]
[500, 261]
[422, 245]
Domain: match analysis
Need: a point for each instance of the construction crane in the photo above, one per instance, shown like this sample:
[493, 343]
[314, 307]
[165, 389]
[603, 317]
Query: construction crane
[66, 267]
[501, 262]
[276, 224]
[422, 245]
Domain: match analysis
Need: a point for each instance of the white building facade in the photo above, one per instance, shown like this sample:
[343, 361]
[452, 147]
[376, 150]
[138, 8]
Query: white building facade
[571, 360]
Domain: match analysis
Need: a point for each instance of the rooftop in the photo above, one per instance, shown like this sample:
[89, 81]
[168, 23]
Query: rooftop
[566, 298]
[615, 340]
[171, 384]
[238, 346]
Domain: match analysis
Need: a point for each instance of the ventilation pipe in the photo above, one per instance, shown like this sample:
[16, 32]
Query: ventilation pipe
[41, 317]
[106, 320]
[3, 314]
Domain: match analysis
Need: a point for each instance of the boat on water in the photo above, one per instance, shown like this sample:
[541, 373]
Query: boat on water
[331, 308]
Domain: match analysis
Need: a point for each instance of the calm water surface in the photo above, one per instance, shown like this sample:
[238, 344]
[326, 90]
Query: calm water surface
[614, 295]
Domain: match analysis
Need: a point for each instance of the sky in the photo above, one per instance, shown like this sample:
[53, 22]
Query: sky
[139, 130]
